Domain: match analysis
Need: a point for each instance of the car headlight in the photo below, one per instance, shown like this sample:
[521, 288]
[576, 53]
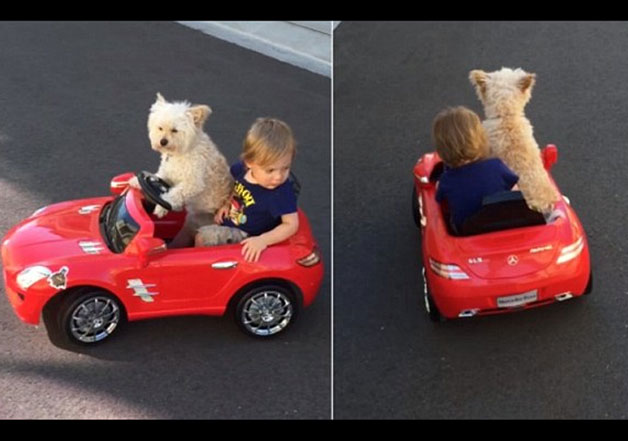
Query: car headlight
[571, 251]
[31, 275]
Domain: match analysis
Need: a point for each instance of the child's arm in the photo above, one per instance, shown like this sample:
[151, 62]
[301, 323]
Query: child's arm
[252, 247]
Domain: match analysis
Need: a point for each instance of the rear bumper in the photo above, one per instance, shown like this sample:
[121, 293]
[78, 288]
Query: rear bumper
[479, 296]
[311, 285]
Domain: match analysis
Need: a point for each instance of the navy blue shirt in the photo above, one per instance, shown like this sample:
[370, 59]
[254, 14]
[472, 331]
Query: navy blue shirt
[464, 187]
[255, 209]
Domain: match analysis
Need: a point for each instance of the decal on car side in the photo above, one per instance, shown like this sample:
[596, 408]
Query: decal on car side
[91, 247]
[59, 280]
[140, 290]
[88, 209]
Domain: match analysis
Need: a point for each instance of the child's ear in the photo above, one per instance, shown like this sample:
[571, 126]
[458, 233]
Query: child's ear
[527, 82]
[199, 114]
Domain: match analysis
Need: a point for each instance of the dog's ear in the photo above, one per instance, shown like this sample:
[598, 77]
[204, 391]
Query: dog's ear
[160, 101]
[478, 79]
[527, 82]
[199, 114]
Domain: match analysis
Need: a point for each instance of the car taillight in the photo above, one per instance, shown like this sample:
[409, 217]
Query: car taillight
[571, 251]
[311, 259]
[448, 271]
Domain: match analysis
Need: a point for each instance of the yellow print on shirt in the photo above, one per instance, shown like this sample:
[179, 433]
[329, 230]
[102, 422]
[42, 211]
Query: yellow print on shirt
[243, 193]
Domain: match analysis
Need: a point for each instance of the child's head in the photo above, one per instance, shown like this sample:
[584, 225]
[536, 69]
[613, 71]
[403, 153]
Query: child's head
[459, 136]
[268, 150]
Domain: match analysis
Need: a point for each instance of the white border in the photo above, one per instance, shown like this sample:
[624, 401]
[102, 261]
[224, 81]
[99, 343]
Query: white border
[331, 164]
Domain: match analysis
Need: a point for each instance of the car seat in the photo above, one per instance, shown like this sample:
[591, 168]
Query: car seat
[501, 211]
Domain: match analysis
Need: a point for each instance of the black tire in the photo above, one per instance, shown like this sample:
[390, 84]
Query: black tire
[589, 287]
[84, 317]
[266, 310]
[415, 207]
[428, 301]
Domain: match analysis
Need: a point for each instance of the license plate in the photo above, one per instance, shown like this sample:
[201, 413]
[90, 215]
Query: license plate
[517, 300]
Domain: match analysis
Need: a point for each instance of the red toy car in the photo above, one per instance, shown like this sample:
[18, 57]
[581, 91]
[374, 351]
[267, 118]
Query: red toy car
[506, 258]
[88, 265]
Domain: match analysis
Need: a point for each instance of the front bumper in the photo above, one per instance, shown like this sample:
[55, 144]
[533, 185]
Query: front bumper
[27, 305]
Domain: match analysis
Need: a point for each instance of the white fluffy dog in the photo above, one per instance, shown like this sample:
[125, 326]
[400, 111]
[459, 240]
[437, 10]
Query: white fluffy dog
[190, 162]
[504, 94]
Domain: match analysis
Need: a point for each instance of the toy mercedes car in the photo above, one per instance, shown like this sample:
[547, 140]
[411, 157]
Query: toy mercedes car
[505, 258]
[87, 266]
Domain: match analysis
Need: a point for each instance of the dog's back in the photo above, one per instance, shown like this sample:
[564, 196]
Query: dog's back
[504, 94]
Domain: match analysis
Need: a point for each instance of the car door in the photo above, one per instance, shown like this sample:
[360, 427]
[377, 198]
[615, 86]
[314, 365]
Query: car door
[199, 280]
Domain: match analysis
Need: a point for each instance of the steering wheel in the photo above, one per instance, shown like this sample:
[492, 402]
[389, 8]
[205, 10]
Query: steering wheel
[153, 188]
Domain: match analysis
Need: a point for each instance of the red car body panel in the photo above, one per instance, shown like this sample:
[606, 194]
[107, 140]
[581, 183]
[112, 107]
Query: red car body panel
[154, 282]
[501, 263]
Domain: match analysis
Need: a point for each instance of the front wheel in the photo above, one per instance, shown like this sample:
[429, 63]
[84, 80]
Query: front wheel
[85, 317]
[266, 310]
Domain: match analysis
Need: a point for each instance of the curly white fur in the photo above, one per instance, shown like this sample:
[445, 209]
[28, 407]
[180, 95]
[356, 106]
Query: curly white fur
[504, 94]
[190, 161]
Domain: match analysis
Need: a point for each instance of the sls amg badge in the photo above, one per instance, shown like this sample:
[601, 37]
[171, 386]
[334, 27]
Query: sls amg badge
[59, 280]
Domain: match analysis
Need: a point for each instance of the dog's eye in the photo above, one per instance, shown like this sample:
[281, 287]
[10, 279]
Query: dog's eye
[160, 129]
[175, 131]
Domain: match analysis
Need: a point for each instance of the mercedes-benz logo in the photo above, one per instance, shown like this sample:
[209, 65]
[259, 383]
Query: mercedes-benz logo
[512, 260]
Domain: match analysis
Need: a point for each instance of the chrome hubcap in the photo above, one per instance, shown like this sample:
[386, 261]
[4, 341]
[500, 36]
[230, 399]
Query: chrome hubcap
[94, 319]
[425, 297]
[267, 313]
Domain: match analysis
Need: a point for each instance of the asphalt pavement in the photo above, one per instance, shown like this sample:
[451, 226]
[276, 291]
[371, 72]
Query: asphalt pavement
[75, 98]
[566, 360]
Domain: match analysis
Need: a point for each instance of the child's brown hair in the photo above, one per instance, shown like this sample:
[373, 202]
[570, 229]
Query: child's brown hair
[267, 140]
[459, 136]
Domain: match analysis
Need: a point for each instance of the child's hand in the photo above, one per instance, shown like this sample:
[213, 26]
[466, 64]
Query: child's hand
[252, 248]
[220, 215]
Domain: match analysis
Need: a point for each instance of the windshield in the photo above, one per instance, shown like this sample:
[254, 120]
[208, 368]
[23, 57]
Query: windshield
[117, 226]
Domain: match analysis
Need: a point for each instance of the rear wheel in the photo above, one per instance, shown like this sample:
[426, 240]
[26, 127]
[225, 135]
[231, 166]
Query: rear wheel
[589, 287]
[430, 306]
[266, 310]
[415, 207]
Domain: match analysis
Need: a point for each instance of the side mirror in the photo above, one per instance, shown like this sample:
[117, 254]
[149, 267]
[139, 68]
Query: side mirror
[549, 156]
[422, 170]
[150, 245]
[144, 247]
[120, 183]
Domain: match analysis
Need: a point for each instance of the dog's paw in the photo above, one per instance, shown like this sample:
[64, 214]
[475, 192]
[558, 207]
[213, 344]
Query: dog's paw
[174, 202]
[134, 183]
[160, 211]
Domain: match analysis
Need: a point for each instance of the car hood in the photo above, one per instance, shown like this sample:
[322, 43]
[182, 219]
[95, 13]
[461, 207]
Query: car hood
[58, 231]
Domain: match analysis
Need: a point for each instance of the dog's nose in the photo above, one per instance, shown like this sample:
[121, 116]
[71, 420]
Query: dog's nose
[163, 141]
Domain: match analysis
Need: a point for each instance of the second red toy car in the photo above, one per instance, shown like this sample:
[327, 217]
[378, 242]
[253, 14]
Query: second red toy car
[507, 258]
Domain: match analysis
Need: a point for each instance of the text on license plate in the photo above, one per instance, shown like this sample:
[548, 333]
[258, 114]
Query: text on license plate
[517, 300]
